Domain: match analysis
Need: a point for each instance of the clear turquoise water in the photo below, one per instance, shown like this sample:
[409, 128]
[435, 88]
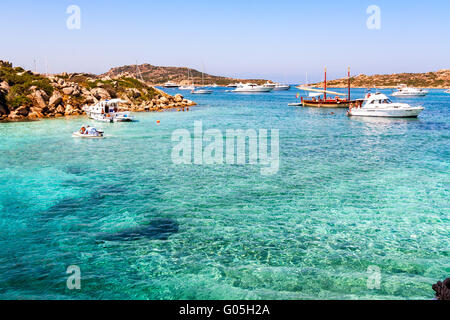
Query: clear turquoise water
[349, 194]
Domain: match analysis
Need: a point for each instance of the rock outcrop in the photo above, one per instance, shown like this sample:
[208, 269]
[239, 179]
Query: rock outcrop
[25, 95]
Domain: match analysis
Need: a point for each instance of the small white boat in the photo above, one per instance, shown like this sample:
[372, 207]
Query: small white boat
[187, 87]
[201, 91]
[108, 111]
[281, 87]
[89, 133]
[448, 91]
[379, 105]
[170, 84]
[233, 85]
[295, 104]
[252, 88]
[405, 91]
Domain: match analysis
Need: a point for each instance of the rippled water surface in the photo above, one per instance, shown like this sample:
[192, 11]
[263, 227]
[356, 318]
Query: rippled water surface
[350, 194]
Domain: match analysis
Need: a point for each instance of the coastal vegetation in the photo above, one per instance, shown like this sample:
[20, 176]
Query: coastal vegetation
[28, 95]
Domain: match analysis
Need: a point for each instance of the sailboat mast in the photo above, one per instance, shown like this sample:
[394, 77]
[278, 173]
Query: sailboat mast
[325, 84]
[348, 83]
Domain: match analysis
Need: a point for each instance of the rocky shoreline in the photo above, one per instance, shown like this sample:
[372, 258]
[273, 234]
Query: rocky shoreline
[28, 96]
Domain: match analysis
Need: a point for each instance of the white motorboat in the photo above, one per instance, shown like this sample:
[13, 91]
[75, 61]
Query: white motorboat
[191, 87]
[379, 105]
[108, 111]
[233, 85]
[448, 91]
[269, 84]
[201, 91]
[281, 87]
[405, 91]
[170, 84]
[88, 133]
[252, 88]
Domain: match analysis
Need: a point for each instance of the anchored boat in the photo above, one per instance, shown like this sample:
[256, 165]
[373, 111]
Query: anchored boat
[405, 91]
[324, 102]
[108, 111]
[88, 133]
[252, 88]
[379, 105]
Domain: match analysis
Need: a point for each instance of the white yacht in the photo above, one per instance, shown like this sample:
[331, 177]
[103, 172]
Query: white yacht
[405, 91]
[191, 87]
[170, 84]
[281, 87]
[201, 91]
[251, 88]
[448, 91]
[269, 84]
[379, 105]
[108, 111]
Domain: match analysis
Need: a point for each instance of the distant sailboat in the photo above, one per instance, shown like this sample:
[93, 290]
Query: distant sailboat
[202, 91]
[191, 86]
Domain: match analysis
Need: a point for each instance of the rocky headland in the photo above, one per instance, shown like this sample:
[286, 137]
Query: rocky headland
[432, 80]
[25, 95]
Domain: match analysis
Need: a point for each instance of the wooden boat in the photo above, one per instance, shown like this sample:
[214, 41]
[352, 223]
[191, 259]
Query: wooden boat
[325, 102]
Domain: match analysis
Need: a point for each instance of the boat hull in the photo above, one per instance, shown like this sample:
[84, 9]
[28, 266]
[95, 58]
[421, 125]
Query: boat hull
[282, 88]
[202, 92]
[253, 90]
[387, 113]
[327, 104]
[86, 136]
[409, 95]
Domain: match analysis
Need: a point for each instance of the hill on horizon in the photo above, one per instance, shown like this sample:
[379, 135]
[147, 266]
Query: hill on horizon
[158, 75]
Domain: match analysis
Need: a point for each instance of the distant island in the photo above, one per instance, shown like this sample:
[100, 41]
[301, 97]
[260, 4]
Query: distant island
[157, 75]
[433, 80]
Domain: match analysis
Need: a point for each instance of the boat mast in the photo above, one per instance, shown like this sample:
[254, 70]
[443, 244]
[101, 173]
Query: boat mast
[325, 84]
[348, 83]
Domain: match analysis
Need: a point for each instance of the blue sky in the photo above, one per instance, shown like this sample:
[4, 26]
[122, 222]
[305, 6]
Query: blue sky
[278, 39]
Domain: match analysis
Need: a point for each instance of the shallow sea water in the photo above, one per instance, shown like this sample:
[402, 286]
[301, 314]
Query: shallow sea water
[350, 194]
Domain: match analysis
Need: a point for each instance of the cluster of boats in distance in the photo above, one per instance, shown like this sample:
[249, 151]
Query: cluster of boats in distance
[238, 87]
[372, 105]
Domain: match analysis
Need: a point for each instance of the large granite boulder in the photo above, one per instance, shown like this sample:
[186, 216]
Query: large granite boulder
[55, 100]
[68, 91]
[100, 94]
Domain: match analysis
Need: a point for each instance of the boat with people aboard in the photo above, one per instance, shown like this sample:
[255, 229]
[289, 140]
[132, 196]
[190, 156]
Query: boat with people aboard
[108, 111]
[251, 88]
[170, 84]
[404, 91]
[379, 105]
[319, 97]
[88, 132]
